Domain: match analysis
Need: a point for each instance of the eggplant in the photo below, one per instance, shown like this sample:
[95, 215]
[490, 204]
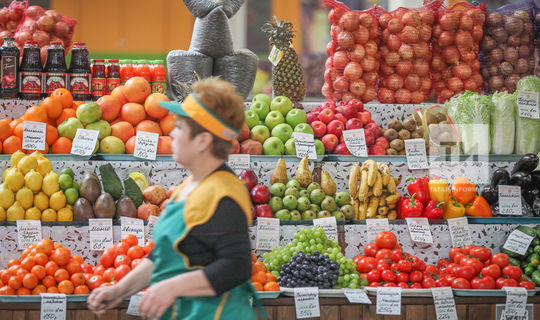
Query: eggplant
[522, 179]
[527, 163]
[500, 176]
[530, 195]
[536, 179]
[490, 194]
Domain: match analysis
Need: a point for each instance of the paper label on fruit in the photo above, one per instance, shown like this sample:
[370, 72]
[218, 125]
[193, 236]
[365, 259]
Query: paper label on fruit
[84, 142]
[267, 233]
[355, 140]
[357, 296]
[28, 232]
[306, 302]
[239, 162]
[146, 144]
[152, 220]
[375, 226]
[305, 145]
[133, 226]
[415, 150]
[101, 234]
[419, 230]
[459, 232]
[516, 300]
[329, 225]
[134, 301]
[518, 242]
[53, 306]
[275, 55]
[510, 200]
[445, 306]
[389, 300]
[34, 135]
[528, 104]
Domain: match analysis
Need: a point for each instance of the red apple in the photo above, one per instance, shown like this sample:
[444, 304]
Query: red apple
[244, 133]
[249, 177]
[326, 115]
[340, 117]
[365, 116]
[312, 116]
[319, 128]
[330, 141]
[250, 146]
[342, 139]
[329, 104]
[357, 104]
[253, 212]
[342, 149]
[374, 128]
[370, 138]
[264, 211]
[342, 103]
[383, 142]
[353, 123]
[349, 112]
[317, 109]
[260, 194]
[339, 109]
[376, 149]
[335, 127]
[235, 146]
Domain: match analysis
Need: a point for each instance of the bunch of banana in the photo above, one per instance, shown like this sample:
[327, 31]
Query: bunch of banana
[374, 191]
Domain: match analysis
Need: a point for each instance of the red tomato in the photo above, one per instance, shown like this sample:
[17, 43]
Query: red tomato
[121, 272]
[467, 249]
[384, 254]
[512, 272]
[442, 282]
[374, 276]
[121, 248]
[500, 259]
[466, 272]
[473, 262]
[481, 253]
[389, 284]
[95, 281]
[493, 271]
[99, 270]
[404, 266]
[428, 282]
[86, 268]
[388, 275]
[483, 283]
[402, 277]
[371, 249]
[416, 276]
[415, 285]
[394, 267]
[366, 264]
[403, 285]
[107, 259]
[121, 259]
[453, 252]
[443, 262]
[374, 284]
[503, 282]
[458, 257]
[460, 283]
[527, 285]
[383, 266]
[418, 264]
[357, 258]
[432, 269]
[397, 255]
[386, 239]
[108, 275]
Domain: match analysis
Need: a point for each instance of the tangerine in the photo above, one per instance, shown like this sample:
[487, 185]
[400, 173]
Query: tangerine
[270, 277]
[259, 266]
[27, 263]
[133, 113]
[82, 289]
[36, 113]
[61, 275]
[122, 130]
[13, 262]
[62, 145]
[11, 145]
[259, 277]
[64, 96]
[61, 256]
[73, 267]
[39, 289]
[5, 129]
[52, 134]
[77, 104]
[15, 282]
[130, 239]
[39, 271]
[164, 145]
[44, 247]
[24, 292]
[7, 291]
[52, 106]
[257, 286]
[18, 130]
[30, 281]
[77, 279]
[51, 267]
[78, 258]
[149, 126]
[48, 281]
[52, 290]
[271, 286]
[15, 122]
[40, 258]
[66, 287]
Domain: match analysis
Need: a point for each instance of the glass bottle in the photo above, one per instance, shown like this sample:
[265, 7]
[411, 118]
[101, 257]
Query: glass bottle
[159, 76]
[9, 69]
[99, 79]
[31, 72]
[113, 75]
[79, 72]
[55, 73]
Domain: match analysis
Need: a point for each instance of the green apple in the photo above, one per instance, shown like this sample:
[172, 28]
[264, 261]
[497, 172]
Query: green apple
[303, 204]
[340, 216]
[348, 210]
[312, 186]
[342, 198]
[290, 147]
[295, 117]
[296, 215]
[273, 146]
[251, 118]
[317, 196]
[292, 191]
[293, 183]
[324, 214]
[281, 104]
[290, 202]
[315, 208]
[277, 189]
[262, 97]
[273, 119]
[282, 131]
[329, 204]
[261, 108]
[303, 193]
[319, 147]
[308, 215]
[260, 133]
[276, 204]
[303, 127]
[283, 214]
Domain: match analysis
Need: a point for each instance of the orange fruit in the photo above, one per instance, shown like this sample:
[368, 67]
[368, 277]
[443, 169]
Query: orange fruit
[61, 275]
[136, 89]
[78, 258]
[52, 134]
[51, 121]
[30, 281]
[24, 292]
[52, 290]
[82, 289]
[64, 96]
[51, 267]
[253, 257]
[259, 277]
[36, 113]
[18, 130]
[48, 281]
[133, 113]
[28, 263]
[39, 271]
[12, 144]
[130, 145]
[4, 276]
[257, 286]
[53, 107]
[168, 123]
[73, 267]
[15, 282]
[5, 129]
[110, 107]
[7, 291]
[21, 273]
[45, 247]
[76, 104]
[13, 262]
[66, 113]
[118, 92]
[77, 279]
[122, 130]
[66, 287]
[62, 145]
[259, 266]
[270, 277]
[15, 122]
[271, 286]
[40, 258]
[39, 289]
[149, 126]
[164, 145]
[60, 256]
[115, 121]
[152, 107]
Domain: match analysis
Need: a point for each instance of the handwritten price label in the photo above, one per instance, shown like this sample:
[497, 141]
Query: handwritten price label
[146, 144]
[516, 300]
[445, 306]
[389, 300]
[419, 230]
[459, 232]
[53, 306]
[306, 302]
[510, 200]
[134, 301]
[528, 104]
[329, 225]
[267, 233]
[101, 234]
[239, 162]
[355, 140]
[84, 142]
[152, 220]
[375, 226]
[28, 232]
[133, 226]
[305, 145]
[415, 150]
[518, 242]
[356, 296]
[34, 135]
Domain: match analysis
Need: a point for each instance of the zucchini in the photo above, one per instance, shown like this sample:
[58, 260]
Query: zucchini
[133, 191]
[111, 183]
[509, 253]
[527, 230]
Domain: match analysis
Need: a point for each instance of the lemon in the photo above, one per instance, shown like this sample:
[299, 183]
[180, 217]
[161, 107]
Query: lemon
[37, 155]
[26, 164]
[50, 183]
[65, 214]
[41, 201]
[69, 172]
[5, 173]
[71, 195]
[25, 197]
[33, 180]
[15, 180]
[6, 196]
[3, 215]
[16, 157]
[15, 212]
[48, 215]
[33, 214]
[57, 200]
[65, 181]
[44, 166]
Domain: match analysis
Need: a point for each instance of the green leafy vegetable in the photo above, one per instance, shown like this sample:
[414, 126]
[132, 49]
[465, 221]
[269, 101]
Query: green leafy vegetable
[527, 129]
[503, 122]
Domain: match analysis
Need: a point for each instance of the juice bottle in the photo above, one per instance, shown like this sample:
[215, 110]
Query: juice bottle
[159, 77]
[9, 69]
[126, 70]
[79, 72]
[55, 75]
[99, 79]
[113, 75]
[143, 70]
[31, 72]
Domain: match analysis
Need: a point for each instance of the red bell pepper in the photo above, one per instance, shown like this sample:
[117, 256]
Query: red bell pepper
[401, 201]
[434, 210]
[411, 208]
[420, 187]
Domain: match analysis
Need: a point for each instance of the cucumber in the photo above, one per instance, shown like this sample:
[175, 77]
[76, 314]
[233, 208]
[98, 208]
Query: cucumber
[111, 183]
[509, 253]
[527, 230]
[133, 191]
[514, 261]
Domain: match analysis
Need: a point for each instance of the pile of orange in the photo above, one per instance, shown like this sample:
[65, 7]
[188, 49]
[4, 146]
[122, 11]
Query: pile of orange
[261, 278]
[45, 267]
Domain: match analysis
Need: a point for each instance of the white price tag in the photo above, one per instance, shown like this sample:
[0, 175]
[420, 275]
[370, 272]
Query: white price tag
[28, 232]
[275, 55]
[375, 226]
[305, 145]
[34, 135]
[101, 234]
[419, 230]
[355, 140]
[518, 242]
[445, 306]
[459, 232]
[500, 313]
[267, 233]
[239, 162]
[53, 306]
[510, 200]
[356, 296]
[133, 307]
[146, 144]
[329, 225]
[306, 302]
[516, 299]
[528, 104]
[415, 150]
[389, 300]
[134, 226]
[152, 220]
[84, 142]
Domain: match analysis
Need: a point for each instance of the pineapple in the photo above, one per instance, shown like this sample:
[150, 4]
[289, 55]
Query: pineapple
[287, 75]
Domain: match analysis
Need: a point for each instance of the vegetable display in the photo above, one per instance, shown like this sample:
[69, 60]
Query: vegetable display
[530, 261]
[528, 130]
[502, 123]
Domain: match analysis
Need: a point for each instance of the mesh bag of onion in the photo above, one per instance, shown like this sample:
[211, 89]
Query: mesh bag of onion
[536, 12]
[507, 49]
[455, 65]
[353, 57]
[10, 17]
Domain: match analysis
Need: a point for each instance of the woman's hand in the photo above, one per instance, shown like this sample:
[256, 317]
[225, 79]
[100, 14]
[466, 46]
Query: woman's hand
[157, 299]
[103, 299]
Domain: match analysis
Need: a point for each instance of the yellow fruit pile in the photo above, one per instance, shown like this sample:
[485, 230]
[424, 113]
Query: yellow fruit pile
[30, 190]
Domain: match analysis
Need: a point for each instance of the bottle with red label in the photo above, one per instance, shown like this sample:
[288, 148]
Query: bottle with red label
[31, 72]
[55, 73]
[99, 79]
[79, 72]
[113, 75]
[143, 70]
[126, 71]
[9, 68]
[159, 76]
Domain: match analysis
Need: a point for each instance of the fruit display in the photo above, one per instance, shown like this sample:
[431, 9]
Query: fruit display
[530, 261]
[308, 270]
[261, 279]
[399, 131]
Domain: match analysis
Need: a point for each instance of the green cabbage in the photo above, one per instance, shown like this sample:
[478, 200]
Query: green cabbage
[503, 122]
[527, 130]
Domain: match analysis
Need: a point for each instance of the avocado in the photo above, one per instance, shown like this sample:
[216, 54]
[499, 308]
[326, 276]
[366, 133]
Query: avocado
[82, 210]
[89, 188]
[133, 191]
[125, 208]
[104, 206]
[111, 183]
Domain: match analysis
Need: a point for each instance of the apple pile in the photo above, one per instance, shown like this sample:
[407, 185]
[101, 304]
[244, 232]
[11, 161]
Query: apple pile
[329, 120]
[259, 194]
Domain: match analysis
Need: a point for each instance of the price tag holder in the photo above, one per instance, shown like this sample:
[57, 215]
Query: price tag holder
[375, 226]
[34, 135]
[389, 300]
[101, 234]
[528, 104]
[275, 56]
[329, 225]
[516, 300]
[239, 162]
[305, 145]
[306, 302]
[419, 230]
[152, 220]
[510, 200]
[84, 142]
[415, 150]
[445, 306]
[133, 307]
[133, 226]
[357, 296]
[267, 233]
[518, 242]
[146, 144]
[355, 140]
[53, 306]
[28, 232]
[459, 232]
